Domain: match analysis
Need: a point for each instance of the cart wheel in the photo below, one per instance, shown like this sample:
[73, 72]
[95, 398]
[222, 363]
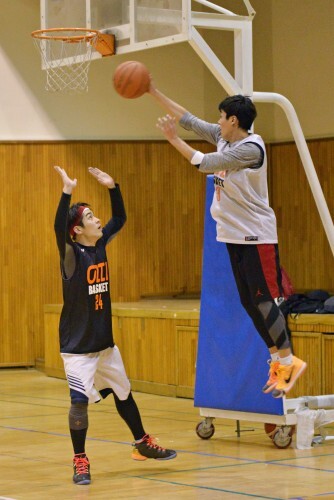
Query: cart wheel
[283, 436]
[205, 429]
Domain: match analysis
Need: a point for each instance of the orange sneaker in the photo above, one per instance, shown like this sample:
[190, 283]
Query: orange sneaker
[81, 472]
[287, 376]
[148, 448]
[272, 374]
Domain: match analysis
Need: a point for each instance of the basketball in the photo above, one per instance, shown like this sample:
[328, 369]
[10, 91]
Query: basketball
[131, 79]
[270, 429]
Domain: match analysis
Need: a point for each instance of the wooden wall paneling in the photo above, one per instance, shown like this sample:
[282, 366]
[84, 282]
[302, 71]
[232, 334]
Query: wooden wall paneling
[158, 342]
[327, 363]
[307, 346]
[54, 366]
[304, 249]
[148, 349]
[159, 251]
[187, 339]
[17, 281]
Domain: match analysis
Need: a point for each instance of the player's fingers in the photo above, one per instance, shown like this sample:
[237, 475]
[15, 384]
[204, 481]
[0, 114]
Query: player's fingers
[61, 171]
[94, 170]
[160, 125]
[162, 122]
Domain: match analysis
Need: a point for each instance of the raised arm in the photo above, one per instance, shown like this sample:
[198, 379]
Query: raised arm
[64, 242]
[68, 184]
[172, 107]
[118, 217]
[248, 155]
[179, 114]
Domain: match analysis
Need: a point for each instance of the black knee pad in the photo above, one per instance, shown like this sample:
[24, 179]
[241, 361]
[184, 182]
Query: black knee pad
[78, 416]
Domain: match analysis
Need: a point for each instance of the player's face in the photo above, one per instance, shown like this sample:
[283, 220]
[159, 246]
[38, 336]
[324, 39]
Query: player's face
[91, 225]
[226, 126]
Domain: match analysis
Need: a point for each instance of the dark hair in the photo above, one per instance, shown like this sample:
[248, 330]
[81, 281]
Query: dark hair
[74, 216]
[240, 106]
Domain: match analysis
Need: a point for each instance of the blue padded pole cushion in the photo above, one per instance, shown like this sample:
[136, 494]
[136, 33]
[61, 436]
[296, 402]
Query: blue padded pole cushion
[232, 358]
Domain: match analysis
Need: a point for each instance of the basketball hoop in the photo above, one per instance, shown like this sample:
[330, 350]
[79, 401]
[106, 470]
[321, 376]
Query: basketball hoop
[66, 55]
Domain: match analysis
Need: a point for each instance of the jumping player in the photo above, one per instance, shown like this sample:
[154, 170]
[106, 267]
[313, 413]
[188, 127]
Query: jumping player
[93, 364]
[244, 219]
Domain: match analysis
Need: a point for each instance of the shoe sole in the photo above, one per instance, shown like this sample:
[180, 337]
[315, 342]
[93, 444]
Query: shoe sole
[269, 389]
[141, 458]
[81, 483]
[277, 394]
[292, 382]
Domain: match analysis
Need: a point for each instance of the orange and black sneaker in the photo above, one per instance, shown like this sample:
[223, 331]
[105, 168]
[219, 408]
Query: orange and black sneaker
[287, 376]
[81, 468]
[148, 448]
[272, 374]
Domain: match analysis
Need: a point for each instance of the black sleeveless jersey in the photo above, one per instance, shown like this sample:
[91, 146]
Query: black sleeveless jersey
[85, 322]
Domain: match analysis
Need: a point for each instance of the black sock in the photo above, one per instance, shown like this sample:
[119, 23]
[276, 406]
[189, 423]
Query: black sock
[78, 440]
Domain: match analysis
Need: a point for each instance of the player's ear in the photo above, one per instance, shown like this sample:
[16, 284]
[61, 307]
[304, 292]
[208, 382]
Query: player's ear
[235, 122]
[78, 229]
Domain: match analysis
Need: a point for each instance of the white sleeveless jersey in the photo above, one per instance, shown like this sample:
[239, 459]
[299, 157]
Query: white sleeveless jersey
[240, 204]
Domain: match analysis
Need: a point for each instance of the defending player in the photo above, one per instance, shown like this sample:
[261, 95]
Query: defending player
[93, 364]
[244, 219]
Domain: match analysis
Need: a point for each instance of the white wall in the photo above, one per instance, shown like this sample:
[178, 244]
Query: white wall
[303, 50]
[28, 112]
[293, 54]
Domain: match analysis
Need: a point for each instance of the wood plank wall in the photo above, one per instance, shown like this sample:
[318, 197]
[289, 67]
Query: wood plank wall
[304, 248]
[159, 251]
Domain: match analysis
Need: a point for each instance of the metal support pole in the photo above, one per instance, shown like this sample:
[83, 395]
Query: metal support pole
[305, 156]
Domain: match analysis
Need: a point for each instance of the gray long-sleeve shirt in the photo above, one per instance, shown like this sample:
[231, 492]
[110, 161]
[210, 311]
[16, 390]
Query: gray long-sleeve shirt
[240, 204]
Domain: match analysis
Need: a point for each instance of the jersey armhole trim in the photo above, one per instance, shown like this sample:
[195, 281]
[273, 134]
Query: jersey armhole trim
[260, 163]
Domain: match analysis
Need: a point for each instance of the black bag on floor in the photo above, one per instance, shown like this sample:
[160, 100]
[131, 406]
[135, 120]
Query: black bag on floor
[312, 302]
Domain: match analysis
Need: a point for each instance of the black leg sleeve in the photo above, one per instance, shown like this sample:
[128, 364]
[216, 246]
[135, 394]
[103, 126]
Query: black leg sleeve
[129, 412]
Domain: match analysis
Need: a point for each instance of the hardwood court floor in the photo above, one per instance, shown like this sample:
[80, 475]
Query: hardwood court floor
[36, 453]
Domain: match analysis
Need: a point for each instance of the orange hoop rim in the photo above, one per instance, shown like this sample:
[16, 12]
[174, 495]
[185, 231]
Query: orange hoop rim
[46, 34]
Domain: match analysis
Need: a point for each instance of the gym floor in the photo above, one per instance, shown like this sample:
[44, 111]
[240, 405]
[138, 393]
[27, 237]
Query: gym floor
[36, 452]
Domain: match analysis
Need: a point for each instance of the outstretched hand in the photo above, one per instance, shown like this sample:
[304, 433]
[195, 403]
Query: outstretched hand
[167, 124]
[102, 177]
[69, 184]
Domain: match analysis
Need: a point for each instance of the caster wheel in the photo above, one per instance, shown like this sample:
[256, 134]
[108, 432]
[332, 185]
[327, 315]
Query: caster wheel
[282, 438]
[205, 430]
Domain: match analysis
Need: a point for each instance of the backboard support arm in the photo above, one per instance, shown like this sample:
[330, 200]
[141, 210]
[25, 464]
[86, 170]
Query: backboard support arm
[242, 83]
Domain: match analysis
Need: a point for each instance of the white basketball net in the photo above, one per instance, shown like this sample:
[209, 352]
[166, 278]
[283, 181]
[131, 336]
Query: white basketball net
[66, 62]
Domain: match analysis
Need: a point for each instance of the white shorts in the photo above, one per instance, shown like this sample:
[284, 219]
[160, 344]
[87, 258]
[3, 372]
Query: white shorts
[90, 373]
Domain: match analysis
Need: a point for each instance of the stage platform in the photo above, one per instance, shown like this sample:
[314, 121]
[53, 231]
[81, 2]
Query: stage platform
[158, 342]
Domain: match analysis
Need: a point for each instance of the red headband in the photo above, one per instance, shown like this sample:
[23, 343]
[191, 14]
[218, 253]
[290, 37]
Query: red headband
[77, 219]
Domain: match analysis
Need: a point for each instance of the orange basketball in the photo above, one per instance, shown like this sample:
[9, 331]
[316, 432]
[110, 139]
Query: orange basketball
[131, 79]
[270, 429]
